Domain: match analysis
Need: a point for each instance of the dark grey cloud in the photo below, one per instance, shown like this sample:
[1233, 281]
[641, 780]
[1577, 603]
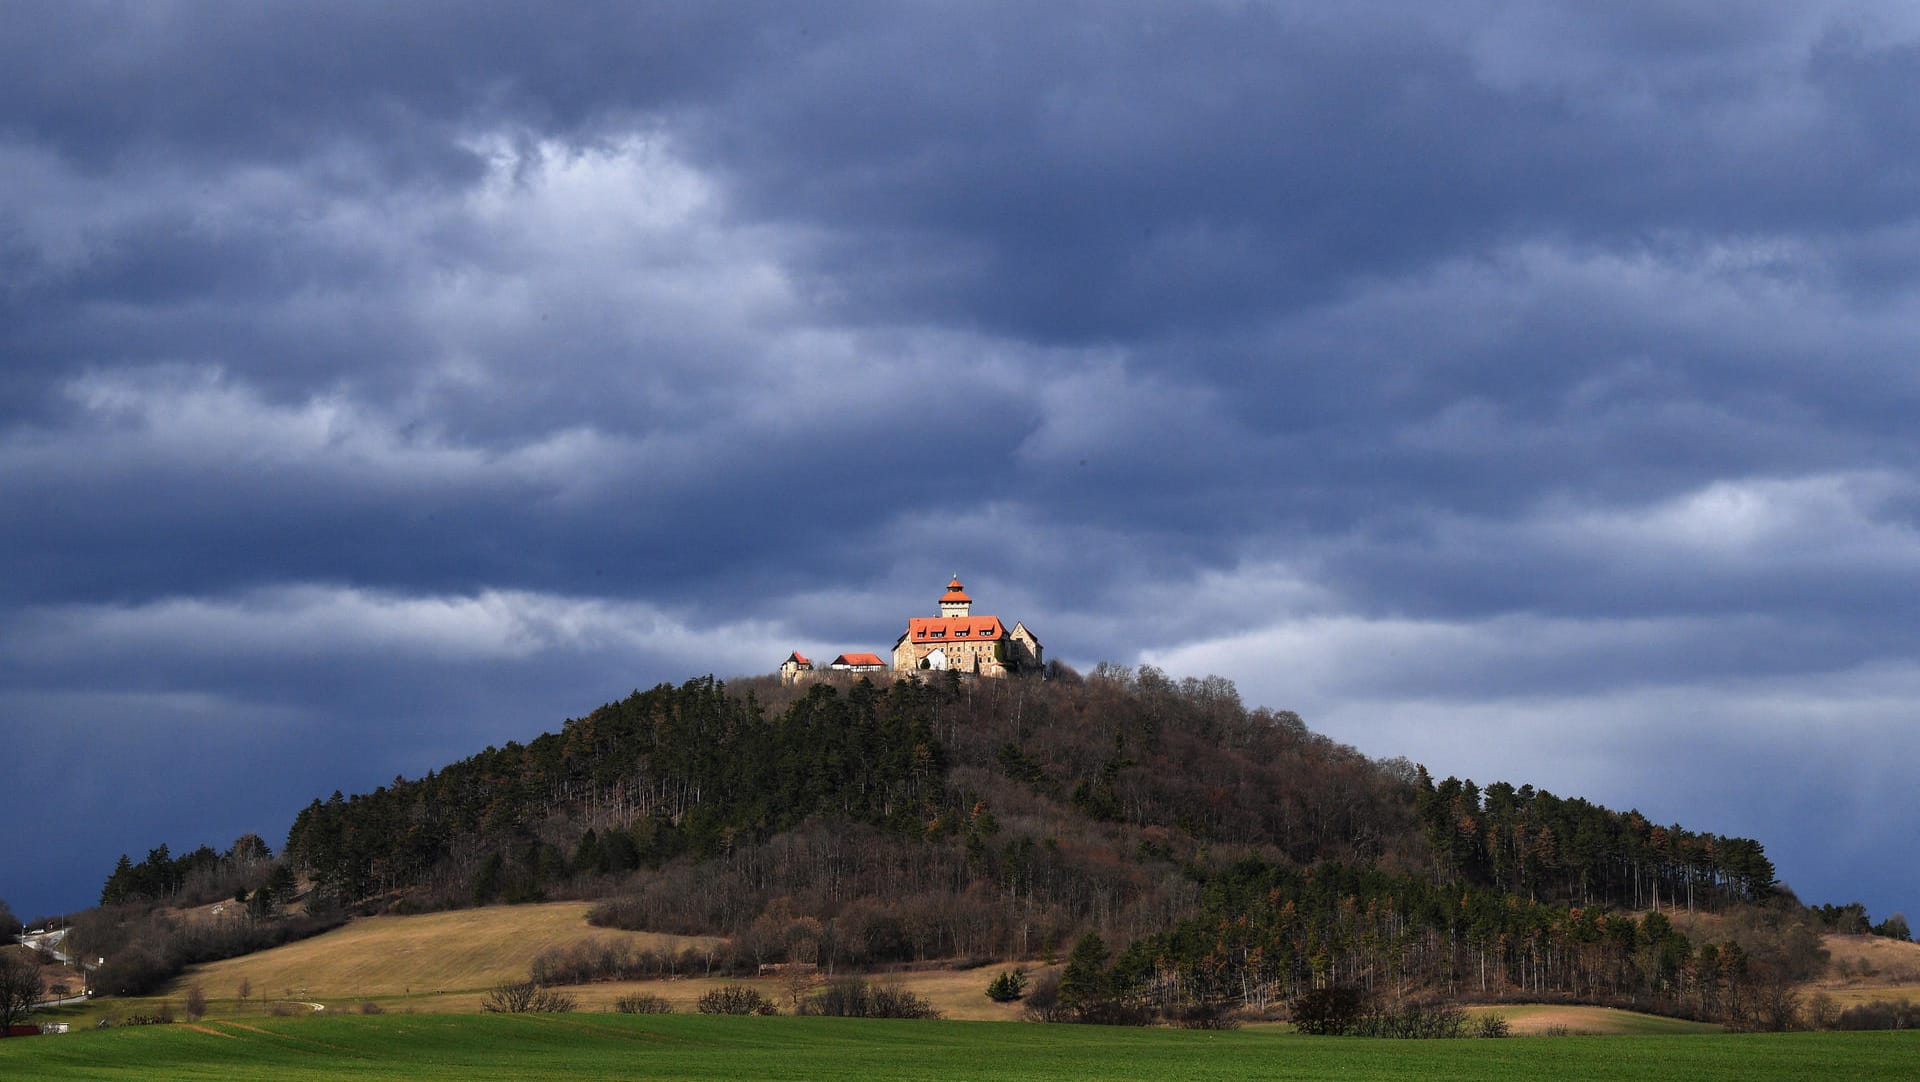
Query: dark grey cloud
[381, 383]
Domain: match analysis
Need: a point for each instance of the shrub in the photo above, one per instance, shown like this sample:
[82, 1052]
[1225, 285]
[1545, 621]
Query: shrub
[1330, 1011]
[735, 999]
[1043, 1003]
[163, 1016]
[1109, 1011]
[1492, 1025]
[1822, 1012]
[643, 1003]
[134, 970]
[1413, 1022]
[851, 997]
[1880, 1014]
[526, 997]
[1204, 1016]
[1775, 1008]
[370, 1007]
[1009, 986]
[588, 960]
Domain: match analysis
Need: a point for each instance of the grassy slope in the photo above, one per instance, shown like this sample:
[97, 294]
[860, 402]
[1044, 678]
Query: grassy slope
[461, 951]
[445, 962]
[1881, 969]
[1535, 1019]
[585, 1047]
[1877, 967]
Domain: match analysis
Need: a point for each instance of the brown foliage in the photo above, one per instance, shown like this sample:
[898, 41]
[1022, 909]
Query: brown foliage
[735, 999]
[526, 997]
[19, 987]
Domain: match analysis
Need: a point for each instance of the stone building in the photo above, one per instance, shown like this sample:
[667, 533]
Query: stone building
[960, 641]
[795, 669]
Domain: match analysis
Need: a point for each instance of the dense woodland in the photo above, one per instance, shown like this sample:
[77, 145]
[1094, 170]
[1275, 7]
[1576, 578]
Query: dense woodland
[1233, 856]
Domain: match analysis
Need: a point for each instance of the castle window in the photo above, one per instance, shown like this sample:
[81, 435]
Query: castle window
[963, 631]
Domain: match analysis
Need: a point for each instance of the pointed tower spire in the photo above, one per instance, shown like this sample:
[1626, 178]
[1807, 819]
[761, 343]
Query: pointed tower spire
[956, 602]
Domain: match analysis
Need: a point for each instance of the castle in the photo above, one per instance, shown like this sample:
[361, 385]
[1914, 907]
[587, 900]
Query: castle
[954, 641]
[958, 640]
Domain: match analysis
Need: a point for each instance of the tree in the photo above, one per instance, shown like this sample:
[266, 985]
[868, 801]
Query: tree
[1329, 1011]
[120, 885]
[1894, 927]
[272, 894]
[1084, 982]
[249, 850]
[735, 999]
[19, 988]
[9, 924]
[196, 1002]
[1009, 986]
[526, 997]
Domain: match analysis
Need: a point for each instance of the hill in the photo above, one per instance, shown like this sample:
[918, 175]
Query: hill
[1190, 851]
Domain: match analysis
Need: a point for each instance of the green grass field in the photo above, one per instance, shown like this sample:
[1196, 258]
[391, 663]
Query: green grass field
[586, 1047]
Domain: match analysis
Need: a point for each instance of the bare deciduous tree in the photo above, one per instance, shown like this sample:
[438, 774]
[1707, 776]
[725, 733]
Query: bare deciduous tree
[19, 988]
[526, 997]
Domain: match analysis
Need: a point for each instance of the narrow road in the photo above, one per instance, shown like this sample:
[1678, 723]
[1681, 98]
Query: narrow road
[68, 1001]
[49, 942]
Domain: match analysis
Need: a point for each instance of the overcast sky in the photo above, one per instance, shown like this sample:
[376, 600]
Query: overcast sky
[1526, 389]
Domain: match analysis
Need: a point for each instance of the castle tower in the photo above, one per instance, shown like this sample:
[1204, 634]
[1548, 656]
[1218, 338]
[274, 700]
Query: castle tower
[956, 602]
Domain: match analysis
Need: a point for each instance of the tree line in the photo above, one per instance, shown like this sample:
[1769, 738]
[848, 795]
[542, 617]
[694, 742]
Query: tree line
[1533, 844]
[194, 878]
[670, 771]
[1266, 934]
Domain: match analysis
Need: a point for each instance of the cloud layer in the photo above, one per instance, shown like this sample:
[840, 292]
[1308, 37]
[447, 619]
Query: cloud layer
[1526, 391]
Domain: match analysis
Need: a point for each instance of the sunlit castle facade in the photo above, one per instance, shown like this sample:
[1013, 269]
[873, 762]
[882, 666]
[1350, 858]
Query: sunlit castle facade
[956, 640]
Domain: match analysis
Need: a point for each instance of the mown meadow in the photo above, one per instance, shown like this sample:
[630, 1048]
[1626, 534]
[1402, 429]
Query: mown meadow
[581, 1047]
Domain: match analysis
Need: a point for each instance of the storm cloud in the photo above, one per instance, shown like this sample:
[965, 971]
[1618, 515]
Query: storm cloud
[1527, 391]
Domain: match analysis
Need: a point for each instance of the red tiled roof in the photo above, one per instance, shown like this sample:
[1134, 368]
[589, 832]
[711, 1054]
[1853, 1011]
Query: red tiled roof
[858, 659]
[919, 628]
[796, 657]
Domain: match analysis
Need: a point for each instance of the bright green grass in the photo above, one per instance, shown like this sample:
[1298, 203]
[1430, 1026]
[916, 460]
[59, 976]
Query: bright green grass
[583, 1048]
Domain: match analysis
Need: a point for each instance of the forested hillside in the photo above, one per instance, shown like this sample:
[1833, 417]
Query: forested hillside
[1230, 855]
